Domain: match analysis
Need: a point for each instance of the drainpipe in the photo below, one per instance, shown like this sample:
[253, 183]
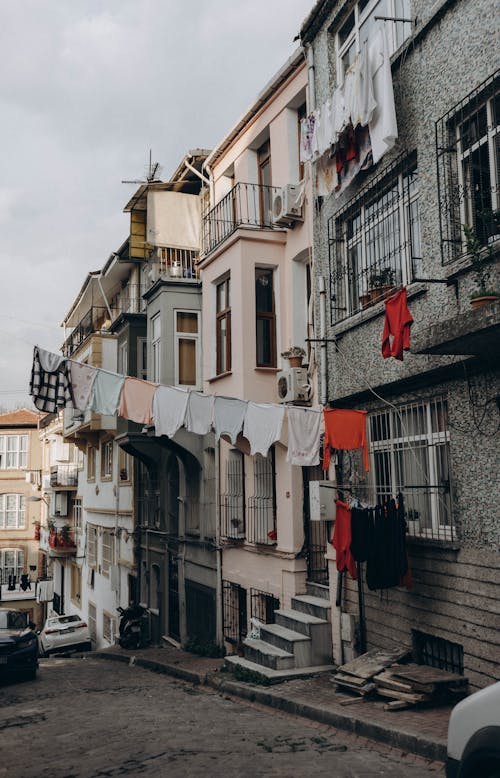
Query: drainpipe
[196, 172]
[218, 633]
[311, 94]
[322, 334]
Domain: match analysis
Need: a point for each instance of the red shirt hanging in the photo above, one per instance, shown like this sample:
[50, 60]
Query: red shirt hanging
[397, 323]
[342, 539]
[345, 430]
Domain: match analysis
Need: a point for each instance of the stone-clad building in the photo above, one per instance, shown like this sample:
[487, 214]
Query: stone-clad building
[433, 420]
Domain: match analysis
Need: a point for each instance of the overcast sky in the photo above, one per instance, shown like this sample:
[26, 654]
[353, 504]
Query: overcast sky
[87, 87]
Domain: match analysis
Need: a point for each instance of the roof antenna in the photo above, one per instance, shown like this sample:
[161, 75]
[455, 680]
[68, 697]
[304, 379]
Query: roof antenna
[151, 174]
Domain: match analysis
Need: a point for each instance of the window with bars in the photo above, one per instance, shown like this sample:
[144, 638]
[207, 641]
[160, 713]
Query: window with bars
[11, 564]
[234, 612]
[374, 241]
[232, 499]
[262, 505]
[438, 652]
[409, 450]
[12, 511]
[468, 163]
[13, 452]
[263, 605]
[77, 513]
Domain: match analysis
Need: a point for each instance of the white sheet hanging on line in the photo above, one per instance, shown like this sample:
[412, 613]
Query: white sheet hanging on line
[169, 410]
[262, 427]
[229, 415]
[304, 431]
[106, 392]
[383, 126]
[82, 382]
[200, 413]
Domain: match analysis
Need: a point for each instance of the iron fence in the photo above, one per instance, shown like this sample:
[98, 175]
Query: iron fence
[234, 611]
[263, 605]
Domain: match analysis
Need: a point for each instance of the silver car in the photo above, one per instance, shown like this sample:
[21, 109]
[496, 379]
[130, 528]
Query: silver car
[61, 634]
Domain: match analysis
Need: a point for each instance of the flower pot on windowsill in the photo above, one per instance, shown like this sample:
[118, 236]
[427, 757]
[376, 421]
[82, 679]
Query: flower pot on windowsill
[294, 355]
[295, 361]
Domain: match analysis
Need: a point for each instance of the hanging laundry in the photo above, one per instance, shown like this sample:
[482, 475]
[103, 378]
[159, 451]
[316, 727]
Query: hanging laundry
[345, 430]
[387, 564]
[82, 382]
[106, 392]
[383, 125]
[306, 138]
[50, 382]
[363, 103]
[229, 417]
[361, 533]
[262, 426]
[324, 128]
[45, 590]
[326, 175]
[169, 410]
[304, 431]
[340, 116]
[136, 400]
[200, 413]
[341, 540]
[353, 158]
[397, 324]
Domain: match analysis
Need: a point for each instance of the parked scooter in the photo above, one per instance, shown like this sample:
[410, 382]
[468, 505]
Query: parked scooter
[133, 630]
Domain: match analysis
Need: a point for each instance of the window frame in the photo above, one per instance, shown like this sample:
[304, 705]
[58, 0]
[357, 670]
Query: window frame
[108, 619]
[107, 551]
[18, 452]
[91, 462]
[196, 337]
[92, 546]
[223, 318]
[107, 459]
[18, 567]
[269, 316]
[76, 584]
[77, 511]
[156, 347]
[142, 358]
[19, 509]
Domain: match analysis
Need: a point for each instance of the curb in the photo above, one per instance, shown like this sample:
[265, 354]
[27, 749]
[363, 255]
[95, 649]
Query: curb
[395, 737]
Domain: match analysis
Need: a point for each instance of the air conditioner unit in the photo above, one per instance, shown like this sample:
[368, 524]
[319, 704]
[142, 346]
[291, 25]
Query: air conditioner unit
[287, 205]
[293, 385]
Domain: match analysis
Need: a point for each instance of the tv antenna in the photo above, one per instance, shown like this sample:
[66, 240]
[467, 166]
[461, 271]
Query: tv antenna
[152, 173]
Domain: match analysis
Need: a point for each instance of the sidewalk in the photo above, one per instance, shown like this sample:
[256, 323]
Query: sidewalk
[418, 731]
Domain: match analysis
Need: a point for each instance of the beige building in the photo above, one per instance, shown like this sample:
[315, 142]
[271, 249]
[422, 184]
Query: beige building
[20, 478]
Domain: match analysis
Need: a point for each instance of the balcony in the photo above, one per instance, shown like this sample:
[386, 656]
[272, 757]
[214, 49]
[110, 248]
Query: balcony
[171, 264]
[18, 592]
[246, 205]
[57, 542]
[64, 476]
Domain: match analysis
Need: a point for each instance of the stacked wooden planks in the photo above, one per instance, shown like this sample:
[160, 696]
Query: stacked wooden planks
[357, 675]
[412, 684]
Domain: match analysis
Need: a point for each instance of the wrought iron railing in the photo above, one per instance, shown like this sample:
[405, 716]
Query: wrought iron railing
[232, 516]
[234, 612]
[261, 523]
[174, 264]
[263, 605]
[246, 205]
[93, 321]
[374, 241]
[467, 153]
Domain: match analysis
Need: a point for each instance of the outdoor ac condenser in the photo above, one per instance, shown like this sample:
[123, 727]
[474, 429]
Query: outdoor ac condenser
[287, 205]
[293, 385]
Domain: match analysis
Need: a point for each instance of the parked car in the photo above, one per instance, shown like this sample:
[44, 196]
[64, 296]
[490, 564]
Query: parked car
[64, 633]
[474, 736]
[18, 645]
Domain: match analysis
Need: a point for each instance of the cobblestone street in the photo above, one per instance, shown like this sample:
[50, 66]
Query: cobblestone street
[85, 718]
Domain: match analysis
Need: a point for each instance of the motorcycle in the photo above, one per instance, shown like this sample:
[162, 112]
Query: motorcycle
[133, 630]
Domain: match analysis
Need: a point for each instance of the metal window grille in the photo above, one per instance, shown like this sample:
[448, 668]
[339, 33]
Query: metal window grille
[246, 205]
[108, 627]
[92, 622]
[409, 449]
[11, 564]
[234, 612]
[262, 505]
[232, 501]
[468, 168]
[374, 240]
[263, 605]
[437, 652]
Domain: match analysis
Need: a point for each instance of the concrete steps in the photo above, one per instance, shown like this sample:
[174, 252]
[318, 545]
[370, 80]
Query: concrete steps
[298, 644]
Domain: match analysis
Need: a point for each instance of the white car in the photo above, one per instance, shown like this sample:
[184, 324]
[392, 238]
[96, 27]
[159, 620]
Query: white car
[64, 633]
[474, 736]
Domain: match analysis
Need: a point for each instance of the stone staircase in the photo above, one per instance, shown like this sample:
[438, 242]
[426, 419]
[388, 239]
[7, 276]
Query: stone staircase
[298, 644]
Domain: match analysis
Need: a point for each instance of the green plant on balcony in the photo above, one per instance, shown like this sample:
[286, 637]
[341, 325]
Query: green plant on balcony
[481, 257]
[65, 535]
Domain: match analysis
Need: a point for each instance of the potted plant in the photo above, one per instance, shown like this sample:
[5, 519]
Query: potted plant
[65, 536]
[480, 262]
[295, 355]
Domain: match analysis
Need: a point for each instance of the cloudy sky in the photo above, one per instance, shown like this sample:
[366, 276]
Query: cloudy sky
[87, 87]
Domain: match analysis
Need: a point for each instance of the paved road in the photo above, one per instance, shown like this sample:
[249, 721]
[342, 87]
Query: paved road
[89, 718]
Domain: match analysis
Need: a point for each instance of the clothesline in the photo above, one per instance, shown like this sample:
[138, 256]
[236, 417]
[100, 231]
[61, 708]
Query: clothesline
[59, 382]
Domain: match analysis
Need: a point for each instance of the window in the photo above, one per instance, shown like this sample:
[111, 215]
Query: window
[468, 157]
[91, 545]
[409, 453]
[77, 513]
[92, 622]
[13, 451]
[223, 326]
[233, 499]
[265, 318]
[301, 114]
[76, 584]
[11, 564]
[108, 627]
[12, 511]
[262, 506]
[361, 24]
[265, 182]
[187, 348]
[107, 459]
[108, 551]
[142, 358]
[374, 241]
[123, 358]
[91, 460]
[125, 467]
[263, 605]
[155, 348]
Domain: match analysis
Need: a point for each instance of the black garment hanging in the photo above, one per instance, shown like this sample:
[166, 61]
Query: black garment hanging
[387, 562]
[361, 533]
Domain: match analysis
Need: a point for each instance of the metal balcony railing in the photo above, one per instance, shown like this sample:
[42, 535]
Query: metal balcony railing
[232, 516]
[93, 321]
[64, 475]
[261, 521]
[246, 205]
[174, 264]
